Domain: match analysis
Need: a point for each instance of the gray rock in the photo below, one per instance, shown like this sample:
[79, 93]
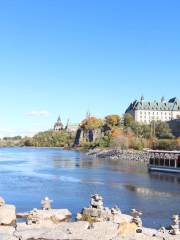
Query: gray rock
[6, 233]
[53, 215]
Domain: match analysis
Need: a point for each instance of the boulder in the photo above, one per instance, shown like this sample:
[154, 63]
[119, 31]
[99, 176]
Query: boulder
[2, 202]
[51, 231]
[100, 231]
[127, 229]
[8, 215]
[53, 215]
[6, 233]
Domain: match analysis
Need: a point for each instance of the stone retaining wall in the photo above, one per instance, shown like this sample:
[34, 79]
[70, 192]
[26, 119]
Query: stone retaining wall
[122, 155]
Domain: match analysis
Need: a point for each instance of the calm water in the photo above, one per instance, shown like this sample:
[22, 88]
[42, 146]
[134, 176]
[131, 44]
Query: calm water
[69, 177]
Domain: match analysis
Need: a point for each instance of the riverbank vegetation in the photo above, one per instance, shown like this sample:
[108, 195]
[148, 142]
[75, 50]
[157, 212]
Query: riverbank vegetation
[43, 139]
[111, 132]
[125, 133]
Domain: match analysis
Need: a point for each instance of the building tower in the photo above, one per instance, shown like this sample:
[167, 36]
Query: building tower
[58, 126]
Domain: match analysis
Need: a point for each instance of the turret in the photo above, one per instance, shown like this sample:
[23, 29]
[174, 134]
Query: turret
[58, 126]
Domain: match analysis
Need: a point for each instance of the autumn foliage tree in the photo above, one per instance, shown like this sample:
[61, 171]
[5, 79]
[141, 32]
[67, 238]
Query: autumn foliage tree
[112, 120]
[116, 132]
[91, 123]
[128, 119]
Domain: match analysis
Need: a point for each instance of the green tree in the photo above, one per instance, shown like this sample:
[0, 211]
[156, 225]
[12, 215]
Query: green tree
[128, 120]
[137, 144]
[141, 130]
[103, 141]
[53, 139]
[165, 144]
[162, 129]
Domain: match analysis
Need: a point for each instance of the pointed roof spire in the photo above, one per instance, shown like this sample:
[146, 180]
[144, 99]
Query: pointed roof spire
[58, 125]
[142, 98]
[59, 119]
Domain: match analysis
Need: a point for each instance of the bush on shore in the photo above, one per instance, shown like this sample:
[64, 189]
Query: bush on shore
[165, 144]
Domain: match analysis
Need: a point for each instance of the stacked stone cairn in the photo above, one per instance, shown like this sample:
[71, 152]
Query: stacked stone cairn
[175, 225]
[33, 217]
[97, 212]
[46, 203]
[46, 215]
[136, 219]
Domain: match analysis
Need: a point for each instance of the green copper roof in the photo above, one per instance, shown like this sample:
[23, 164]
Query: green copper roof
[172, 105]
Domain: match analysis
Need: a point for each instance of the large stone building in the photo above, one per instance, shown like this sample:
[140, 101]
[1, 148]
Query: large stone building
[146, 111]
[58, 126]
[72, 128]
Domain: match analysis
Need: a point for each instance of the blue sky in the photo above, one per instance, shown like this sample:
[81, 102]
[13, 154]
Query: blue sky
[70, 56]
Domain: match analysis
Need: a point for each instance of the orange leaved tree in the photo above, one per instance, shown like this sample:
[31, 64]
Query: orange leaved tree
[112, 120]
[91, 123]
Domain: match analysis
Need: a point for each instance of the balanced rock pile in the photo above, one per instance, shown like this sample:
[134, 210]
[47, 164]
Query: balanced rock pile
[47, 214]
[97, 212]
[95, 222]
[136, 219]
[175, 230]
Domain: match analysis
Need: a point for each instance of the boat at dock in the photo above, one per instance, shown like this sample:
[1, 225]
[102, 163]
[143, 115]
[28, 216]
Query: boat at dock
[164, 161]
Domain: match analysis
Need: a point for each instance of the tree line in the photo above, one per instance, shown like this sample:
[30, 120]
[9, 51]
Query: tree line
[115, 132]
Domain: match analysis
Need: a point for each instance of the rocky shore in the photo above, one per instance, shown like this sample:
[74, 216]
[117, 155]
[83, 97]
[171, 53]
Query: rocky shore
[133, 155]
[94, 222]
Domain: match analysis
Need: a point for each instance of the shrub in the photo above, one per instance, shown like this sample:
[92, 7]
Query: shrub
[120, 142]
[165, 144]
[116, 132]
[137, 144]
[103, 141]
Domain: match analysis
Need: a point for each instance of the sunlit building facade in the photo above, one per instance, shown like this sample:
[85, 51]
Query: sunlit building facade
[146, 111]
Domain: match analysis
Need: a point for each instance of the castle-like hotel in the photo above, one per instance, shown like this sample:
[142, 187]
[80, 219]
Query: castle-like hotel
[143, 112]
[146, 111]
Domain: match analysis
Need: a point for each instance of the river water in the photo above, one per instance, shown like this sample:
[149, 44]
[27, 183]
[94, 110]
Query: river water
[70, 177]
